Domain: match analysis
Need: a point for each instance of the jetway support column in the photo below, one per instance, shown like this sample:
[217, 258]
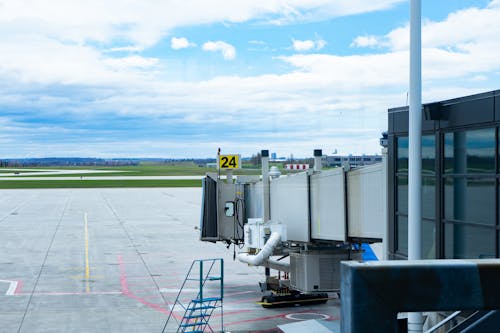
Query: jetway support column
[318, 153]
[265, 182]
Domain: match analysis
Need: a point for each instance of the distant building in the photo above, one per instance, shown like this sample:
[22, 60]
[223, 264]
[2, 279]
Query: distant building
[352, 160]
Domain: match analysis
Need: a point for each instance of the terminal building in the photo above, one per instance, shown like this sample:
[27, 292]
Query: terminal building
[460, 178]
[352, 160]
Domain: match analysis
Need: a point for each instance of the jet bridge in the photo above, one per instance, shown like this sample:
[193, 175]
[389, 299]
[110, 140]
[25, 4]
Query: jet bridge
[301, 224]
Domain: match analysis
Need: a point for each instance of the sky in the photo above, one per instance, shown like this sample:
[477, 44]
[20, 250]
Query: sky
[179, 79]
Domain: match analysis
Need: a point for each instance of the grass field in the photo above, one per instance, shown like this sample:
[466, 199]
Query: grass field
[18, 184]
[143, 169]
[181, 169]
[20, 171]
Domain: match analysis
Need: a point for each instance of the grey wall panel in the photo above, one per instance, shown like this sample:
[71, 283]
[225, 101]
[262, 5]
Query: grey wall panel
[228, 226]
[474, 111]
[366, 202]
[290, 205]
[328, 205]
[254, 204]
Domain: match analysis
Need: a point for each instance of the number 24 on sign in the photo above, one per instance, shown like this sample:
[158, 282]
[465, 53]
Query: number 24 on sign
[229, 161]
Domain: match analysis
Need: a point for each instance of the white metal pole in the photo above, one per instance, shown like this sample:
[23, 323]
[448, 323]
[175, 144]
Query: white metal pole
[264, 155]
[415, 320]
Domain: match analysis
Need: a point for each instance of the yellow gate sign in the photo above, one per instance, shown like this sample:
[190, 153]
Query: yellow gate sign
[229, 162]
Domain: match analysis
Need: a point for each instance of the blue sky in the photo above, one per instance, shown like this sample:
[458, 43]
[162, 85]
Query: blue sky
[123, 78]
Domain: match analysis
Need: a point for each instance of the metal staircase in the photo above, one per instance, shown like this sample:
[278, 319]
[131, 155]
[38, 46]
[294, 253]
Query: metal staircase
[207, 276]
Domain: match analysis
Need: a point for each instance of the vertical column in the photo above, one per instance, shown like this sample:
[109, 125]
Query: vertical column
[317, 159]
[459, 193]
[415, 320]
[265, 182]
[385, 173]
[201, 280]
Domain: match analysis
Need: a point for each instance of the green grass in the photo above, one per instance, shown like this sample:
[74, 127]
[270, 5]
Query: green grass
[18, 184]
[178, 169]
[143, 169]
[17, 171]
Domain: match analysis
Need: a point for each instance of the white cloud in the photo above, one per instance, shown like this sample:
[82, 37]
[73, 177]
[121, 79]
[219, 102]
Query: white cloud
[365, 41]
[303, 45]
[327, 98]
[131, 62]
[464, 27]
[320, 43]
[144, 23]
[30, 59]
[228, 51]
[308, 45]
[125, 49]
[180, 43]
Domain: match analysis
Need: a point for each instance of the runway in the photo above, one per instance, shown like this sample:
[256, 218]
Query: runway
[112, 260]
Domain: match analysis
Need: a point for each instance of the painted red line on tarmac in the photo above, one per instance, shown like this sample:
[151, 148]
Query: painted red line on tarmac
[43, 293]
[226, 313]
[126, 291]
[19, 287]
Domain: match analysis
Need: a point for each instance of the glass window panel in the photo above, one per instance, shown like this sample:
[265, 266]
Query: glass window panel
[402, 240]
[470, 151]
[448, 153]
[402, 154]
[471, 200]
[428, 239]
[429, 197]
[402, 194]
[428, 154]
[469, 242]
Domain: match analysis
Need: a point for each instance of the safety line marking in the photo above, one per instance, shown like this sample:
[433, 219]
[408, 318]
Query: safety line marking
[87, 266]
[42, 293]
[12, 287]
[126, 292]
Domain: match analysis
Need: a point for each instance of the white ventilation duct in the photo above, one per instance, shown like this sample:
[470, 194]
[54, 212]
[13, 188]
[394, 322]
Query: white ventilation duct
[261, 257]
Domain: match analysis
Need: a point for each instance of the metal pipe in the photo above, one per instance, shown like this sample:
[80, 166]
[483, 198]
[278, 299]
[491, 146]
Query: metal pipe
[278, 265]
[265, 182]
[415, 320]
[264, 253]
[443, 322]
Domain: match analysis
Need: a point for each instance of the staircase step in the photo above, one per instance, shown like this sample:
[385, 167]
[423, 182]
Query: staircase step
[200, 323]
[208, 299]
[205, 307]
[196, 316]
[214, 278]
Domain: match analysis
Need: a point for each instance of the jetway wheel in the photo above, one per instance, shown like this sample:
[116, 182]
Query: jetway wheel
[295, 299]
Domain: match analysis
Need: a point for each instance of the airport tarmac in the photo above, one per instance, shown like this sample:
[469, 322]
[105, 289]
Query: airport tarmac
[112, 260]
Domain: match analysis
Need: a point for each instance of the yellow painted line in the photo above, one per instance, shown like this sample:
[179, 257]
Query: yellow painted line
[87, 266]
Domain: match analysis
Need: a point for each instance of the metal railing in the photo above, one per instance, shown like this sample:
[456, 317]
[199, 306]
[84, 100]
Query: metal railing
[196, 312]
[373, 293]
